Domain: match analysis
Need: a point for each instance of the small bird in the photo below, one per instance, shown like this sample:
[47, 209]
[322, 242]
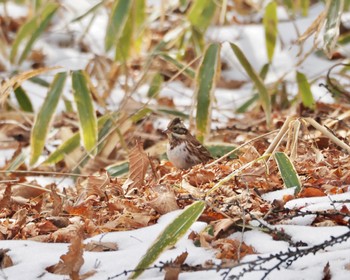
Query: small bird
[183, 149]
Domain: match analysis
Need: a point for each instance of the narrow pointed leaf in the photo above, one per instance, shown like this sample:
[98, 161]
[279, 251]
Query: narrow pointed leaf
[201, 14]
[32, 30]
[23, 100]
[289, 175]
[305, 91]
[264, 95]
[71, 144]
[118, 169]
[44, 117]
[206, 82]
[155, 85]
[333, 20]
[270, 24]
[116, 23]
[86, 112]
[171, 234]
[187, 70]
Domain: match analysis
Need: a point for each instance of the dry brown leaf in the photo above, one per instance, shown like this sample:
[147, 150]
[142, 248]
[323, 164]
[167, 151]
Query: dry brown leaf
[17, 80]
[5, 202]
[173, 269]
[165, 200]
[56, 201]
[138, 164]
[327, 272]
[71, 262]
[232, 249]
[311, 192]
[96, 246]
[5, 260]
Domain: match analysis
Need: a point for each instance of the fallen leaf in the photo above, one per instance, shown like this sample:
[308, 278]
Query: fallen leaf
[165, 200]
[327, 272]
[71, 262]
[96, 246]
[173, 269]
[138, 164]
[311, 192]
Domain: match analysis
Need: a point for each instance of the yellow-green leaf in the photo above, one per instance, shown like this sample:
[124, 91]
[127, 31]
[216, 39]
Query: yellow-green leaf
[187, 70]
[305, 91]
[206, 81]
[155, 85]
[201, 14]
[86, 112]
[116, 23]
[264, 95]
[289, 175]
[32, 30]
[71, 144]
[170, 235]
[43, 118]
[270, 24]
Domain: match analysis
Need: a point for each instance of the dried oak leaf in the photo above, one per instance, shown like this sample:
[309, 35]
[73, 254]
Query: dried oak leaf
[71, 262]
[165, 200]
[96, 246]
[173, 269]
[5, 260]
[311, 192]
[232, 249]
[138, 164]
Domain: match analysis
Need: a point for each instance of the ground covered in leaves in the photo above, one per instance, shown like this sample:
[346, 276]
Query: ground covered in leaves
[99, 203]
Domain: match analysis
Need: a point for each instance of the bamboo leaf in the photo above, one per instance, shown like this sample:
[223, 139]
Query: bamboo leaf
[333, 20]
[155, 85]
[32, 30]
[71, 144]
[116, 23]
[187, 70]
[170, 235]
[270, 24]
[44, 117]
[23, 100]
[264, 95]
[206, 81]
[118, 169]
[289, 175]
[86, 112]
[18, 160]
[201, 14]
[92, 10]
[305, 91]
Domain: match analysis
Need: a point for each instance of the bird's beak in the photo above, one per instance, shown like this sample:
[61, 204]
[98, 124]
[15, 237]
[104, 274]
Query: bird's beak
[166, 131]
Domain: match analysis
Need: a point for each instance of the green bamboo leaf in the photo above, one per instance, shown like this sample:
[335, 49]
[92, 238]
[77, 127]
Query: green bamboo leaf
[175, 113]
[43, 118]
[331, 33]
[155, 85]
[264, 95]
[245, 106]
[139, 115]
[201, 14]
[305, 91]
[23, 100]
[71, 144]
[305, 4]
[116, 170]
[86, 112]
[270, 24]
[39, 81]
[289, 175]
[187, 70]
[90, 11]
[116, 23]
[206, 81]
[170, 235]
[32, 30]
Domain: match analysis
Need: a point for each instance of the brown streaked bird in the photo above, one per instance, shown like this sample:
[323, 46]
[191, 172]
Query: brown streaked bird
[183, 149]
